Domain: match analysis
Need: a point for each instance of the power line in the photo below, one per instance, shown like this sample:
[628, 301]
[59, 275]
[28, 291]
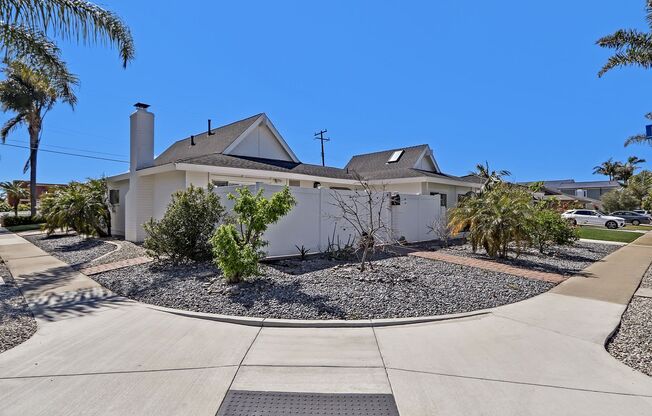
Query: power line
[66, 153]
[68, 148]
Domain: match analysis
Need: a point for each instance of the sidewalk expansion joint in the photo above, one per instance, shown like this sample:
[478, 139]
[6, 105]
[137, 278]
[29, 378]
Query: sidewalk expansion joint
[101, 373]
[523, 383]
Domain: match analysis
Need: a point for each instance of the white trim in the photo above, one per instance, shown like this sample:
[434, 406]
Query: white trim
[118, 177]
[262, 174]
[427, 152]
[428, 179]
[264, 120]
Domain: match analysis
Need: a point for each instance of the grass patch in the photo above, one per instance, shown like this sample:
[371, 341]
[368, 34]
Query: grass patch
[24, 227]
[607, 235]
[637, 227]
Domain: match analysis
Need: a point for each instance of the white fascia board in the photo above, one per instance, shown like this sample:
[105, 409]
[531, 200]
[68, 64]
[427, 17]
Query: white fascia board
[280, 138]
[262, 174]
[169, 167]
[429, 179]
[119, 177]
[427, 152]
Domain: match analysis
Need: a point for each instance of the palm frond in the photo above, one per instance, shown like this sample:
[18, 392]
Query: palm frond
[78, 20]
[632, 47]
[638, 138]
[10, 125]
[24, 43]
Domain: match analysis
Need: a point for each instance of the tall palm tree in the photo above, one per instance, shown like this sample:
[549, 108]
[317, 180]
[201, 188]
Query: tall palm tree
[30, 93]
[608, 168]
[490, 177]
[14, 191]
[26, 27]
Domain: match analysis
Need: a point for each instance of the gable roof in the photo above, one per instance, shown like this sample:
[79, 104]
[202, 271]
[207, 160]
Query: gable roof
[219, 141]
[377, 161]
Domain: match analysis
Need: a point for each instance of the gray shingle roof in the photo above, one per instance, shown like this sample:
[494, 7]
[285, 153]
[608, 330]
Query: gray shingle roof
[377, 161]
[205, 144]
[244, 162]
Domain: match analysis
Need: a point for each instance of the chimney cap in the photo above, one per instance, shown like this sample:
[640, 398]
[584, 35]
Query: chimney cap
[141, 105]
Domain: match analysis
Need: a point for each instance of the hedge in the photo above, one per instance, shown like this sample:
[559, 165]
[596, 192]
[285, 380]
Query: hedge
[10, 221]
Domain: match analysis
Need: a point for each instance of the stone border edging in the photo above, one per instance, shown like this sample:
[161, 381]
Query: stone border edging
[316, 323]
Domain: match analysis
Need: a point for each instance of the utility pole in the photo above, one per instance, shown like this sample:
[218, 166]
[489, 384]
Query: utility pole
[322, 139]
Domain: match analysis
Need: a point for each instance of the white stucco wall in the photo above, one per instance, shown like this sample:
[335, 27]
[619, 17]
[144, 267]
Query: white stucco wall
[165, 184]
[118, 210]
[261, 142]
[408, 188]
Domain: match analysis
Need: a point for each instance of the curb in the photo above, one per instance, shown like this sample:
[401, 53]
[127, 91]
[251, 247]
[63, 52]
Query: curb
[316, 323]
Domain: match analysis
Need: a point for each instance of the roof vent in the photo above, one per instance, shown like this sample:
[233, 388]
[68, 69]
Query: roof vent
[141, 105]
[396, 155]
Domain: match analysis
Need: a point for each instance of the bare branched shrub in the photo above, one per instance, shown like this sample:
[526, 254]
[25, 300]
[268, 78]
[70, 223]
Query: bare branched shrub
[440, 230]
[365, 210]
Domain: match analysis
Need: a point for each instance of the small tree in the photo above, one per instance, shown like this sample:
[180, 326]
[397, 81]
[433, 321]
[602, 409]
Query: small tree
[363, 210]
[78, 206]
[14, 191]
[547, 228]
[495, 218]
[184, 232]
[238, 244]
[440, 230]
[619, 200]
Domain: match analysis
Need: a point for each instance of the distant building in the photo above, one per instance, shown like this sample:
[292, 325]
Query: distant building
[41, 188]
[586, 189]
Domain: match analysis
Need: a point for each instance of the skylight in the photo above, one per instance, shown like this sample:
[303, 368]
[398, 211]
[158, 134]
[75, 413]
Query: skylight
[396, 155]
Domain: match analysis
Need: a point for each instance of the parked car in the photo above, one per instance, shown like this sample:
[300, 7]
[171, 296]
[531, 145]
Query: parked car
[642, 212]
[632, 217]
[589, 217]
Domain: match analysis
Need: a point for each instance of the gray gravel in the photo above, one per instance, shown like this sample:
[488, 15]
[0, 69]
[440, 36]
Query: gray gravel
[75, 250]
[565, 260]
[127, 250]
[16, 321]
[632, 344]
[323, 289]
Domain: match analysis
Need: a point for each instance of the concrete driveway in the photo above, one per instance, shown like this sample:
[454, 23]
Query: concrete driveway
[99, 354]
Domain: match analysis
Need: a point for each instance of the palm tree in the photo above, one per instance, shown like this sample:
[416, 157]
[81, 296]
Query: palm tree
[628, 169]
[14, 191]
[608, 168]
[632, 47]
[30, 93]
[490, 177]
[25, 27]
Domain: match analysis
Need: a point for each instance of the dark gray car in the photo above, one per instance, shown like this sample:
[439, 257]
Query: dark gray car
[632, 217]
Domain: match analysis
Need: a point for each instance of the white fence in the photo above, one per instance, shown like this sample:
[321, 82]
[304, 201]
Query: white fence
[316, 219]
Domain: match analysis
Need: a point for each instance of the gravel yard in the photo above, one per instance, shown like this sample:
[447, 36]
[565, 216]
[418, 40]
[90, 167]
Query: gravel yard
[75, 250]
[319, 288]
[632, 344]
[16, 321]
[127, 250]
[565, 260]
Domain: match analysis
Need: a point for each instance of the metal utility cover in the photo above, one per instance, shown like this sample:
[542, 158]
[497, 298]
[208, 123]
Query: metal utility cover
[265, 403]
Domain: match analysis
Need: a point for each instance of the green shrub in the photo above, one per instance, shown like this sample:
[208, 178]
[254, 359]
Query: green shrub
[619, 200]
[4, 206]
[547, 228]
[495, 218]
[10, 221]
[23, 207]
[184, 232]
[81, 207]
[238, 244]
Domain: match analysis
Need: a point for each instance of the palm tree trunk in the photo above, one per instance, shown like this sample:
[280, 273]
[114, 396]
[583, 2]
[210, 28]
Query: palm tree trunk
[33, 144]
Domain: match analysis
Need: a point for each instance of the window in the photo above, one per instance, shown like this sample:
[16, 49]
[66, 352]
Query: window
[114, 196]
[443, 198]
[219, 183]
[580, 212]
[396, 155]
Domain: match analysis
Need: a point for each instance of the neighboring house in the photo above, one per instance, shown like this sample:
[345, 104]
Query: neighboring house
[588, 189]
[568, 201]
[252, 152]
[41, 188]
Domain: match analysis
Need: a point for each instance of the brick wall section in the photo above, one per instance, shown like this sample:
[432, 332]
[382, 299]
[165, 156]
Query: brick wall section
[491, 265]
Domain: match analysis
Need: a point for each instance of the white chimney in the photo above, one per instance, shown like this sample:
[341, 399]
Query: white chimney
[141, 137]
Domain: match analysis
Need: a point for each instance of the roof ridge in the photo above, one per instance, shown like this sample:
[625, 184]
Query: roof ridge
[219, 127]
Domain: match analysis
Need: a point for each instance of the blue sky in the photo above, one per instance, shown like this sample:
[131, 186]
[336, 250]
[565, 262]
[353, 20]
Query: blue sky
[511, 82]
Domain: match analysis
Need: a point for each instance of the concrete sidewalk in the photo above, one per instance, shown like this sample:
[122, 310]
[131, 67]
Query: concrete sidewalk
[99, 354]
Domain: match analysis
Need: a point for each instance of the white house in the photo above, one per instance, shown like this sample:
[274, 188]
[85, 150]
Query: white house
[253, 152]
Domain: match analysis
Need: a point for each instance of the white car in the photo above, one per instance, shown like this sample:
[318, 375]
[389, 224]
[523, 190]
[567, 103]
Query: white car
[589, 217]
